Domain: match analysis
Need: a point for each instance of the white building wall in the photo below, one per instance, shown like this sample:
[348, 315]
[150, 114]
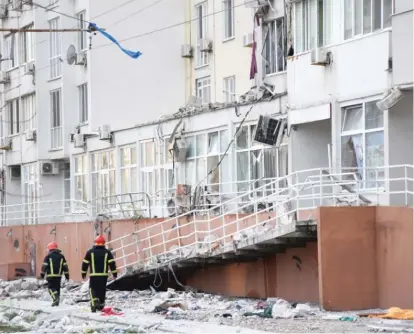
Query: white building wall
[126, 91]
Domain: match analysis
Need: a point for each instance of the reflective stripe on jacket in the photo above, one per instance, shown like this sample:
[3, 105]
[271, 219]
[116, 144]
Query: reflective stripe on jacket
[98, 259]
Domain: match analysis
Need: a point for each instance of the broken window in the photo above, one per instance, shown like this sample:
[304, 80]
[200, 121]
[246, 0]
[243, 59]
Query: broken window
[259, 164]
[206, 151]
[156, 171]
[274, 46]
[366, 16]
[103, 179]
[81, 178]
[362, 140]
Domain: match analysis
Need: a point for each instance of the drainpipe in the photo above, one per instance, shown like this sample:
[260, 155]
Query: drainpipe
[188, 72]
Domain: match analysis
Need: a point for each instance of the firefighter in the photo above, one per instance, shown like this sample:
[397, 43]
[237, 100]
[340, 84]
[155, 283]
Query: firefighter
[98, 258]
[54, 266]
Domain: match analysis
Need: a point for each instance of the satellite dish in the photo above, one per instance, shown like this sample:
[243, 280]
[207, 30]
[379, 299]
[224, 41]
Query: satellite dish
[71, 55]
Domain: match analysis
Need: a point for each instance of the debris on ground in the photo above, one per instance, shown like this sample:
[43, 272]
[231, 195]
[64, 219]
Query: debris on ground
[25, 307]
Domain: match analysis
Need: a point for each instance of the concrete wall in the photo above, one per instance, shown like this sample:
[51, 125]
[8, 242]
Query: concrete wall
[400, 120]
[292, 275]
[402, 43]
[365, 257]
[394, 239]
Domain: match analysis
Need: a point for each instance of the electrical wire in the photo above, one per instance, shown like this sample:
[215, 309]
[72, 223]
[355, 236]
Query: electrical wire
[147, 33]
[230, 143]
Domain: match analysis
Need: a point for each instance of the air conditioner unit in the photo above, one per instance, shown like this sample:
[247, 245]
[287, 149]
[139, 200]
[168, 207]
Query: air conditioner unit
[248, 39]
[180, 149]
[29, 68]
[186, 51]
[49, 168]
[81, 58]
[256, 3]
[269, 131]
[3, 11]
[79, 140]
[31, 135]
[4, 78]
[206, 45]
[105, 132]
[390, 99]
[17, 4]
[320, 57]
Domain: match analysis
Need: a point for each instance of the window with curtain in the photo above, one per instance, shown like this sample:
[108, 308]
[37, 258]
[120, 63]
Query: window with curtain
[81, 178]
[362, 138]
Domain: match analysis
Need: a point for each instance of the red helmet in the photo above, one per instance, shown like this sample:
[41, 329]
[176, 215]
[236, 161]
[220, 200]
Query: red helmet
[52, 245]
[100, 240]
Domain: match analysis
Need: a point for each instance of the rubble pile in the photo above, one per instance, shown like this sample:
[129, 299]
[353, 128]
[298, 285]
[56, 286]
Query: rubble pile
[25, 307]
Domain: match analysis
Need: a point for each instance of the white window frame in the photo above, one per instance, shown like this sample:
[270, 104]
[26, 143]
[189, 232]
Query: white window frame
[363, 131]
[56, 119]
[128, 167]
[83, 103]
[103, 170]
[10, 41]
[201, 9]
[229, 26]
[229, 89]
[31, 192]
[249, 183]
[352, 6]
[55, 43]
[81, 176]
[82, 35]
[67, 188]
[26, 45]
[156, 171]
[316, 30]
[13, 117]
[201, 158]
[274, 55]
[203, 89]
[28, 104]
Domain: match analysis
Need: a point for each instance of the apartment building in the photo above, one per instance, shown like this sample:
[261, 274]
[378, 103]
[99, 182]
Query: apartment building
[209, 70]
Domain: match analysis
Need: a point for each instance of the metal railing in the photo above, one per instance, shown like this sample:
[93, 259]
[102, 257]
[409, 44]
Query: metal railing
[203, 233]
[44, 212]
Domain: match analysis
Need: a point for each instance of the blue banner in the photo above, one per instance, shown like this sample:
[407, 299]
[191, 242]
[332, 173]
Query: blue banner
[133, 54]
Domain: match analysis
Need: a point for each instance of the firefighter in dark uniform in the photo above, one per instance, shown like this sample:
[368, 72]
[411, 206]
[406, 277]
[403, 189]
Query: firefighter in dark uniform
[54, 267]
[97, 259]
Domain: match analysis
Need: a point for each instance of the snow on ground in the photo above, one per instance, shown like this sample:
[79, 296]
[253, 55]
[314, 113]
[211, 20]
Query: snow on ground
[25, 307]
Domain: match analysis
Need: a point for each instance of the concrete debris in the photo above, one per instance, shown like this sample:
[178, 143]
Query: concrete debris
[28, 308]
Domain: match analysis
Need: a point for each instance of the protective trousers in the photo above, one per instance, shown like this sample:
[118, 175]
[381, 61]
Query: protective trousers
[97, 292]
[53, 285]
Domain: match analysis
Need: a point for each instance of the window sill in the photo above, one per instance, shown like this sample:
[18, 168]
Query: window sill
[52, 6]
[275, 74]
[83, 124]
[229, 39]
[55, 79]
[15, 135]
[201, 67]
[56, 149]
[13, 68]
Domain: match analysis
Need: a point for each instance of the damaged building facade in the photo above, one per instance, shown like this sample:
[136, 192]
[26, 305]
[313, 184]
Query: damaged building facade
[236, 139]
[309, 84]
